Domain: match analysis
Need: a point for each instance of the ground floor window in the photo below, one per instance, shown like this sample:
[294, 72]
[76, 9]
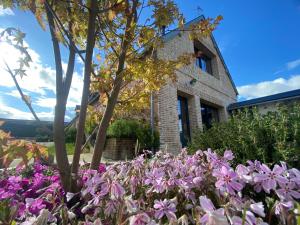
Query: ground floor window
[209, 115]
[183, 120]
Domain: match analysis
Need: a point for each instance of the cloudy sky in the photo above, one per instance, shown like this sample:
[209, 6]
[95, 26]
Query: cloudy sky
[259, 41]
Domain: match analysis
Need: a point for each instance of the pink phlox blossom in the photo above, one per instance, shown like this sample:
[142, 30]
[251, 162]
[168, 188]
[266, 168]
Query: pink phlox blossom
[269, 178]
[116, 190]
[139, 219]
[34, 205]
[154, 176]
[227, 180]
[287, 191]
[211, 214]
[165, 208]
[282, 207]
[295, 176]
[243, 173]
[254, 166]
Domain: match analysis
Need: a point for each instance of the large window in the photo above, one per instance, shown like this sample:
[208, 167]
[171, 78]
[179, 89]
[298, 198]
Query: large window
[183, 120]
[205, 59]
[209, 115]
[204, 63]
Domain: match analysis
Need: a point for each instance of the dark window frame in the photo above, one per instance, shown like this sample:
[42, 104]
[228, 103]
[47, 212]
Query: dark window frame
[183, 120]
[209, 114]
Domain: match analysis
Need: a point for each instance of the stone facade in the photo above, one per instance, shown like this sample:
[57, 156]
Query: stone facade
[119, 148]
[195, 85]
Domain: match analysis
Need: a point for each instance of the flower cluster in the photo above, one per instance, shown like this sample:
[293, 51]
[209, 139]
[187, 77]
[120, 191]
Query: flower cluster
[185, 189]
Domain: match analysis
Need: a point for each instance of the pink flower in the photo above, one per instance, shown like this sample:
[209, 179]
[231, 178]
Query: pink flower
[227, 180]
[116, 190]
[212, 215]
[139, 219]
[258, 208]
[101, 168]
[269, 178]
[281, 207]
[165, 208]
[34, 205]
[154, 176]
[286, 191]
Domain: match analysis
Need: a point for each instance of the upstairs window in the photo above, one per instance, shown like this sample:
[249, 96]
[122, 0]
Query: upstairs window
[203, 62]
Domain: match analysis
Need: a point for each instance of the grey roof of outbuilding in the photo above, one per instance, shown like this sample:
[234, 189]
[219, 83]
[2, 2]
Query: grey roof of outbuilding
[295, 94]
[173, 33]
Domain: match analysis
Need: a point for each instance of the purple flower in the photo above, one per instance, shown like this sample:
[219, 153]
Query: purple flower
[116, 190]
[4, 194]
[34, 205]
[269, 178]
[212, 216]
[227, 180]
[258, 208]
[111, 207]
[286, 192]
[139, 219]
[101, 168]
[295, 176]
[154, 176]
[165, 208]
[228, 155]
[281, 207]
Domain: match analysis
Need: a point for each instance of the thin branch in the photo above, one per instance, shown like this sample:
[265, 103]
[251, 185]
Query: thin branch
[21, 93]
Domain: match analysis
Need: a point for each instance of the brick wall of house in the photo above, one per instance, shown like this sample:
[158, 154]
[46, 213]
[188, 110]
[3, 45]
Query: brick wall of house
[216, 90]
[119, 148]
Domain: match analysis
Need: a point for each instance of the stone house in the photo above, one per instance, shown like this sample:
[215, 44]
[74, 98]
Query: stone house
[203, 90]
[201, 94]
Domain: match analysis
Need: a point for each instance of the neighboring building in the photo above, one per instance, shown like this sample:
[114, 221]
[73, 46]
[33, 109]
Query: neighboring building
[268, 103]
[202, 93]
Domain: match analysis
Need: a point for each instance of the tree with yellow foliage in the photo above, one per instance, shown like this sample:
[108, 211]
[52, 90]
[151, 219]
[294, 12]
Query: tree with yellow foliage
[123, 35]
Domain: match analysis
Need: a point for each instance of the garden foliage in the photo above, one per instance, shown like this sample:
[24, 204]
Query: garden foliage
[250, 135]
[134, 129]
[186, 189]
[11, 149]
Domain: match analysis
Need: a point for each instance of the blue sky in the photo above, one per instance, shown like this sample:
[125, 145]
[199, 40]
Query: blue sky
[259, 40]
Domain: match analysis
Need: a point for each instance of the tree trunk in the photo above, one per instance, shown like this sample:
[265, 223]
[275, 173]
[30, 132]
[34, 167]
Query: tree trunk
[85, 93]
[60, 109]
[112, 101]
[101, 135]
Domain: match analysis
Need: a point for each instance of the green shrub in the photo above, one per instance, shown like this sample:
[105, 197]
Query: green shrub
[136, 130]
[250, 135]
[123, 129]
[71, 135]
[146, 139]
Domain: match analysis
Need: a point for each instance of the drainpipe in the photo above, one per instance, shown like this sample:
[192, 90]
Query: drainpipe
[152, 118]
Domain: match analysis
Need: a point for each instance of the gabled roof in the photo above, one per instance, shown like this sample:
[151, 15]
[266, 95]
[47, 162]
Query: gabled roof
[174, 33]
[295, 94]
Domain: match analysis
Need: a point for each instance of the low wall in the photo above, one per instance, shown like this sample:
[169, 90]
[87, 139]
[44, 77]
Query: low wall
[119, 148]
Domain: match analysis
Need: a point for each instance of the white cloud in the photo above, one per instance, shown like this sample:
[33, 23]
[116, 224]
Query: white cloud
[13, 113]
[6, 12]
[293, 64]
[79, 60]
[269, 87]
[50, 102]
[39, 82]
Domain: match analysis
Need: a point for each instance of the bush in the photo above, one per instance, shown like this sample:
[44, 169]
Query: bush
[250, 135]
[135, 130]
[123, 129]
[146, 139]
[71, 135]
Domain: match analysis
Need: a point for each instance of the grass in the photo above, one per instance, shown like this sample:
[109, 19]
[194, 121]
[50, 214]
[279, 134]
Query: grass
[70, 149]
